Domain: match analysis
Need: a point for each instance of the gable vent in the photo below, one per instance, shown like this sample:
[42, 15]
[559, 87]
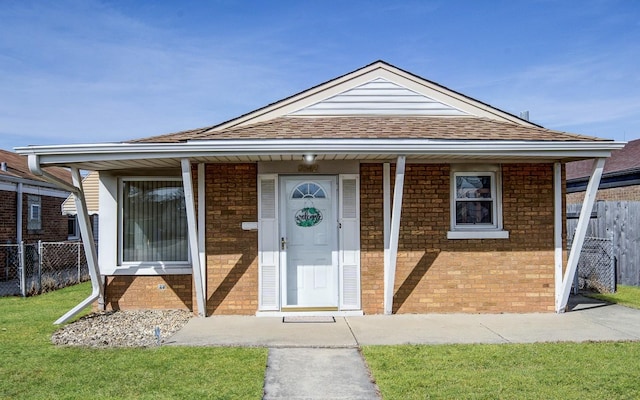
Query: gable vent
[379, 97]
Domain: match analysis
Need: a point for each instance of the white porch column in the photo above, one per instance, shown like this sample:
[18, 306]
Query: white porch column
[557, 229]
[386, 215]
[201, 226]
[86, 234]
[394, 233]
[581, 231]
[187, 183]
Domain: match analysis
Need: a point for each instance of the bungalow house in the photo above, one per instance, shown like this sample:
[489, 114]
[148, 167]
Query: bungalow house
[376, 192]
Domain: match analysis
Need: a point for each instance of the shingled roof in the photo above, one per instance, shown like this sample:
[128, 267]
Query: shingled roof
[374, 127]
[625, 160]
[16, 167]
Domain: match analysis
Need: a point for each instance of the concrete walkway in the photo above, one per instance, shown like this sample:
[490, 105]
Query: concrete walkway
[590, 320]
[320, 360]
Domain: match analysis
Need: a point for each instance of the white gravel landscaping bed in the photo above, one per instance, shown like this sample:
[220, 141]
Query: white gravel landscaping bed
[136, 328]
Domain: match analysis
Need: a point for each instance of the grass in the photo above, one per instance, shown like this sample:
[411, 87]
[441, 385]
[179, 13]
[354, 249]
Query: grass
[32, 368]
[508, 371]
[625, 295]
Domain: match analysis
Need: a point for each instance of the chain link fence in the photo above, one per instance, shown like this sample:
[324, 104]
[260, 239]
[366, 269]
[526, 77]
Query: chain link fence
[30, 269]
[596, 266]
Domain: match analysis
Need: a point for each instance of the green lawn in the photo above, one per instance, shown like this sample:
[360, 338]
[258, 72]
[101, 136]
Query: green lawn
[507, 371]
[626, 295]
[32, 368]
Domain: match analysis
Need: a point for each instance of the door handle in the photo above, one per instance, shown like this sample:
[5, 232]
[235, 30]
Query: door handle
[283, 243]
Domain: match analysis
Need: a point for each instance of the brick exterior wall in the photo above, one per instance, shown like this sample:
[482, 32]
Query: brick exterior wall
[232, 253]
[7, 217]
[435, 274]
[624, 193]
[54, 224]
[156, 292]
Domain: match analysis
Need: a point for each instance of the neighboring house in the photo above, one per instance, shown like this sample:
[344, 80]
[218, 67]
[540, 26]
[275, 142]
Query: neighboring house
[30, 206]
[616, 216]
[29, 209]
[376, 192]
[620, 179]
[90, 185]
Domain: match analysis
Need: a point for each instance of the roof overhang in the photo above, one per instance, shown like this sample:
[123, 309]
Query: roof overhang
[110, 156]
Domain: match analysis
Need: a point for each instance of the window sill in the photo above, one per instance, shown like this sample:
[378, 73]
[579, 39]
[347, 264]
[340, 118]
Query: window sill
[146, 270]
[478, 234]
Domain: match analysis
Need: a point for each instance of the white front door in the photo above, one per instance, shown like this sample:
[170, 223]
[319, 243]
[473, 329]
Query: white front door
[309, 242]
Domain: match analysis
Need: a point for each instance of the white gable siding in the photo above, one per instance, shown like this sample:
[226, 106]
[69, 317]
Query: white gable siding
[379, 97]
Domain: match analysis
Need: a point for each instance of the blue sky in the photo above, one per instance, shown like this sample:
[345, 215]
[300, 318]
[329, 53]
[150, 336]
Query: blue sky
[105, 71]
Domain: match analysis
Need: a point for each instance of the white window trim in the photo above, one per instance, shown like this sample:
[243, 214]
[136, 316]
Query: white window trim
[76, 234]
[35, 213]
[479, 231]
[144, 267]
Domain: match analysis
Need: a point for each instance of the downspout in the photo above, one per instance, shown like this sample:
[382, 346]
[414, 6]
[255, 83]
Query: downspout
[85, 231]
[19, 213]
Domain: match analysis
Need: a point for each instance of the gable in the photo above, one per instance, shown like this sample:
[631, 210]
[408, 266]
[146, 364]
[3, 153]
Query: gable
[376, 89]
[379, 97]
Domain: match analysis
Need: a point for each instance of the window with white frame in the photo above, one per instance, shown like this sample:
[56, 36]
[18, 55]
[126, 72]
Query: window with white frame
[72, 227]
[153, 222]
[476, 207]
[34, 205]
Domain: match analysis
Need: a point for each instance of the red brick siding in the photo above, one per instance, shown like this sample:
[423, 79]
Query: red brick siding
[8, 217]
[54, 224]
[435, 274]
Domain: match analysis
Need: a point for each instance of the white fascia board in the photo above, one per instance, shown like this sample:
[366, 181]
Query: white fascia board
[70, 154]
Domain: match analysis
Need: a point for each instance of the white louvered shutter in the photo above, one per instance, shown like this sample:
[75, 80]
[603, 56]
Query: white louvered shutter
[349, 242]
[268, 250]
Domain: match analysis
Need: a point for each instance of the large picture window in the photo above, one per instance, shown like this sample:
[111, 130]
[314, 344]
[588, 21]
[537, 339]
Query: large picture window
[476, 207]
[154, 222]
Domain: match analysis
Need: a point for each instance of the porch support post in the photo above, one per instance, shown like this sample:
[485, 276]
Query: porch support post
[581, 231]
[557, 229]
[201, 226]
[187, 183]
[394, 233]
[86, 234]
[386, 215]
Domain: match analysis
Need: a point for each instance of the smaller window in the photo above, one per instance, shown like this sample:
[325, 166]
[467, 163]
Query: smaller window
[476, 208]
[72, 223]
[475, 200]
[35, 213]
[308, 190]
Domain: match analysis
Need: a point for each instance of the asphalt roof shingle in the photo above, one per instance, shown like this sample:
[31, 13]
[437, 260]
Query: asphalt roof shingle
[17, 167]
[374, 127]
[625, 159]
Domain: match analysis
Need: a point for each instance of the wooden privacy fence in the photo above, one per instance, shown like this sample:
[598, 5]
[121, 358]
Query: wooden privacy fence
[619, 220]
